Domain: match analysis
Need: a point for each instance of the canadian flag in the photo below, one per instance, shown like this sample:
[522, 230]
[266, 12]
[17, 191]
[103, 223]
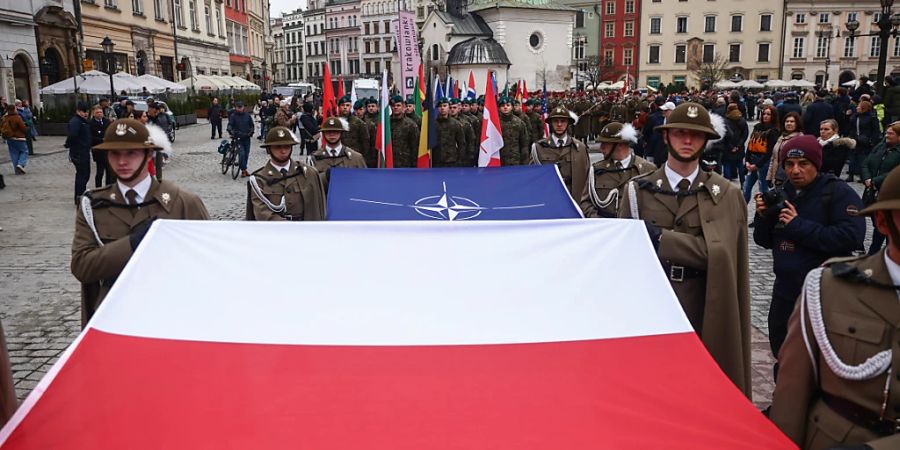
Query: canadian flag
[570, 353]
[491, 137]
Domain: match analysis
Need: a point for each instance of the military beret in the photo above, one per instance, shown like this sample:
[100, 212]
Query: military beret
[371, 101]
[396, 99]
[409, 99]
[503, 100]
[454, 101]
[344, 99]
[442, 100]
[359, 104]
[481, 101]
[466, 101]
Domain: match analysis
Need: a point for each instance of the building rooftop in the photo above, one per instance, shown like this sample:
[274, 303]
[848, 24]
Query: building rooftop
[467, 25]
[479, 5]
[477, 50]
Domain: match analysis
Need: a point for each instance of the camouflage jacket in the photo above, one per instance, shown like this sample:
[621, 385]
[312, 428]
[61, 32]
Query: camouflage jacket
[405, 141]
[451, 143]
[516, 143]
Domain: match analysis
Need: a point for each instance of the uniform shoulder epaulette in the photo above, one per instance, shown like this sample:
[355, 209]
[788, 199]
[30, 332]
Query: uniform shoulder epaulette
[842, 259]
[257, 171]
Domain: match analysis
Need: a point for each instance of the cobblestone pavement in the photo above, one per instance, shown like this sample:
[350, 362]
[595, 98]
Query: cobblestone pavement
[39, 306]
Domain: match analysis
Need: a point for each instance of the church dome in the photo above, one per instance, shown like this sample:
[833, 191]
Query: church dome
[477, 50]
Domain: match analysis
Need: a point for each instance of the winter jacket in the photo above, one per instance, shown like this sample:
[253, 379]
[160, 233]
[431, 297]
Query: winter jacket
[736, 136]
[762, 141]
[880, 162]
[834, 155]
[892, 101]
[816, 112]
[241, 124]
[865, 130]
[78, 140]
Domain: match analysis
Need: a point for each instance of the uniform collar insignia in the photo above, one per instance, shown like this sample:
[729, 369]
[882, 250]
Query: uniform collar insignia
[715, 189]
[868, 273]
[270, 172]
[165, 198]
[112, 196]
[659, 182]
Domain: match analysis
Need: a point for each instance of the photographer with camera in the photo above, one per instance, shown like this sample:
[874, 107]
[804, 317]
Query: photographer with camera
[804, 220]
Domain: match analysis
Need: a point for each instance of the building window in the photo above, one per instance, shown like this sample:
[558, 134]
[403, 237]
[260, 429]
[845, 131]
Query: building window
[610, 8]
[681, 24]
[875, 46]
[536, 40]
[653, 55]
[179, 14]
[822, 47]
[737, 24]
[434, 52]
[896, 46]
[158, 9]
[709, 24]
[137, 6]
[709, 53]
[208, 18]
[762, 52]
[629, 7]
[653, 82]
[579, 48]
[110, 3]
[655, 25]
[800, 18]
[680, 54]
[368, 46]
[579, 18]
[628, 56]
[824, 17]
[851, 16]
[798, 48]
[765, 22]
[734, 53]
[610, 29]
[366, 28]
[607, 57]
[849, 47]
[629, 29]
[192, 9]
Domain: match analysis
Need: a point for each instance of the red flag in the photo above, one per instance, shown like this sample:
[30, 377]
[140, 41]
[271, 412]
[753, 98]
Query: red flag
[524, 91]
[470, 90]
[340, 92]
[329, 107]
[491, 136]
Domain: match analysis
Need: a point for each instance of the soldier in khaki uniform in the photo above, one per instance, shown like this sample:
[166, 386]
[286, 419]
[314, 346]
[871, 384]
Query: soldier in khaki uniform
[284, 189]
[334, 153]
[569, 154]
[697, 222]
[839, 377]
[111, 221]
[607, 178]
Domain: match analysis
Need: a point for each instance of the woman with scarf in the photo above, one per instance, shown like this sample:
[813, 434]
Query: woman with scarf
[792, 128]
[759, 151]
[835, 149]
[864, 128]
[883, 158]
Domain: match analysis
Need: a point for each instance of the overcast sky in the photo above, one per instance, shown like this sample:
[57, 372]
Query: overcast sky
[276, 7]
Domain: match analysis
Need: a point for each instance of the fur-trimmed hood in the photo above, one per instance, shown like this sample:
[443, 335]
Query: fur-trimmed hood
[846, 142]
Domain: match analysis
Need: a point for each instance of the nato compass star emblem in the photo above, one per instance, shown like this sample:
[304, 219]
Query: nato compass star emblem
[445, 206]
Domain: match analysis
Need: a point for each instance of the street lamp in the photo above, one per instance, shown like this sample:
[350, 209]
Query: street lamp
[108, 45]
[265, 85]
[828, 34]
[887, 27]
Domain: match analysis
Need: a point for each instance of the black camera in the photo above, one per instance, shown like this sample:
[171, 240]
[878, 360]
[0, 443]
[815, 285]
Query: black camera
[775, 200]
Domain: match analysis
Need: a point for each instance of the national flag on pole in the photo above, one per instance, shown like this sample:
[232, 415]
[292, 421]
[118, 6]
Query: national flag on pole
[455, 91]
[448, 86]
[329, 106]
[544, 111]
[383, 131]
[419, 94]
[524, 91]
[471, 94]
[491, 137]
[340, 91]
[428, 136]
[493, 77]
[517, 93]
[353, 97]
[438, 89]
[193, 363]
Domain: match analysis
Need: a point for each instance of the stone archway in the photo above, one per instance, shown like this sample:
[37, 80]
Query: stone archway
[846, 76]
[22, 77]
[141, 62]
[51, 66]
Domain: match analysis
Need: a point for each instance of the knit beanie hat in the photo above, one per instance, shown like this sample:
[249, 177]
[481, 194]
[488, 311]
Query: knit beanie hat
[804, 146]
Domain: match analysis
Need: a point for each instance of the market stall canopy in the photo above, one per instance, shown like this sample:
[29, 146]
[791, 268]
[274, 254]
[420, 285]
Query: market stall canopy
[240, 83]
[94, 82]
[855, 83]
[803, 83]
[204, 83]
[751, 84]
[156, 84]
[726, 84]
[777, 84]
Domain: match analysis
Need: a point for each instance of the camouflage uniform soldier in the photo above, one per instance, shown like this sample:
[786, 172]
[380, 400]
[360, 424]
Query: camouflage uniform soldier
[452, 140]
[334, 153]
[534, 120]
[357, 137]
[404, 135]
[515, 136]
[568, 153]
[607, 178]
[470, 152]
[410, 111]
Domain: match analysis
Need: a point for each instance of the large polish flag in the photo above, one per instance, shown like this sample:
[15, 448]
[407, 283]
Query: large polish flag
[401, 335]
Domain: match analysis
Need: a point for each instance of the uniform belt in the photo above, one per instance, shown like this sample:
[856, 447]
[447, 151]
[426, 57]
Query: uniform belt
[292, 218]
[861, 416]
[681, 273]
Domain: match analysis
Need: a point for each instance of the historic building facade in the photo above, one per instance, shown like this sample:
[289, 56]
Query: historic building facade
[294, 47]
[237, 30]
[314, 38]
[57, 40]
[201, 42]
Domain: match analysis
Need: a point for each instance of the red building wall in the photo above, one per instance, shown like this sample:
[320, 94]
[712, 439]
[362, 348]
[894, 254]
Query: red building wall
[620, 15]
[236, 11]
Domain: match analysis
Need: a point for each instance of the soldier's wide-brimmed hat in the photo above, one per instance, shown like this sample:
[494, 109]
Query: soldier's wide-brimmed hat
[560, 112]
[691, 116]
[618, 133]
[126, 134]
[888, 195]
[279, 136]
[333, 124]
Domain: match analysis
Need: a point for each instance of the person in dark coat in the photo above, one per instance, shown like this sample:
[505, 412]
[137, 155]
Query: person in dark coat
[655, 148]
[214, 113]
[891, 101]
[759, 151]
[843, 109]
[733, 143]
[875, 169]
[240, 124]
[864, 129]
[99, 123]
[791, 104]
[835, 148]
[78, 141]
[815, 113]
[309, 128]
[862, 89]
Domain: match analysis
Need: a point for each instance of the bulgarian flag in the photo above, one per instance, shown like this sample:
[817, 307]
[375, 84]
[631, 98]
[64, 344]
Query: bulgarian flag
[491, 137]
[193, 363]
[383, 133]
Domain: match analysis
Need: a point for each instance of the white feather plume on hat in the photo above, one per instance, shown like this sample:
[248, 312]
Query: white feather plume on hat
[159, 138]
[345, 124]
[718, 124]
[628, 133]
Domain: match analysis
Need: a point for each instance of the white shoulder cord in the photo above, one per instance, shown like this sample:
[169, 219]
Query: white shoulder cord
[612, 197]
[281, 207]
[534, 155]
[88, 213]
[632, 201]
[311, 160]
[811, 302]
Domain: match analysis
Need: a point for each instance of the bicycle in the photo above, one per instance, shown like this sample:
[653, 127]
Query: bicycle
[231, 158]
